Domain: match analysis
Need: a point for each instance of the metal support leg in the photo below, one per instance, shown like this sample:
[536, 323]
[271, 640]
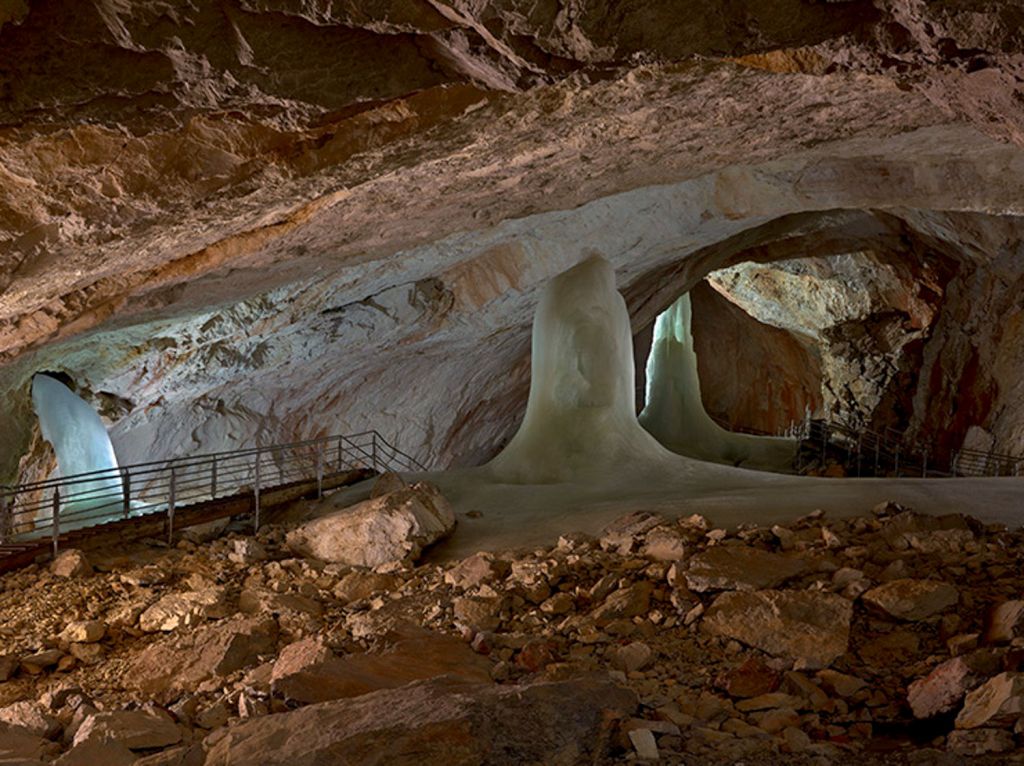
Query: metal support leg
[319, 470]
[126, 491]
[5, 519]
[56, 521]
[256, 495]
[170, 505]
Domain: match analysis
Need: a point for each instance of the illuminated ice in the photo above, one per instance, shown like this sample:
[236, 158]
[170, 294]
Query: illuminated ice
[674, 413]
[581, 415]
[80, 442]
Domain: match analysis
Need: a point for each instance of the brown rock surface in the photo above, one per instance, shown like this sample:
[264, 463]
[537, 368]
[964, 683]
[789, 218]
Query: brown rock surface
[734, 567]
[440, 720]
[809, 628]
[311, 676]
[912, 600]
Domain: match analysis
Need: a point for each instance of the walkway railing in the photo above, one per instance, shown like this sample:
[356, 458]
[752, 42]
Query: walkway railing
[45, 509]
[864, 452]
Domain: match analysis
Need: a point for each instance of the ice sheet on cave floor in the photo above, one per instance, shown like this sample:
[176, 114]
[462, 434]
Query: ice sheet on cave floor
[581, 459]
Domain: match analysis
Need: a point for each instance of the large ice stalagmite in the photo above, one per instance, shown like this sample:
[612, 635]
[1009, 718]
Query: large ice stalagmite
[674, 413]
[581, 415]
[80, 442]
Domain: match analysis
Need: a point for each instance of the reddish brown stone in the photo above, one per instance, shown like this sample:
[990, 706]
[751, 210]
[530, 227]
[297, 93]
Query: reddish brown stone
[751, 679]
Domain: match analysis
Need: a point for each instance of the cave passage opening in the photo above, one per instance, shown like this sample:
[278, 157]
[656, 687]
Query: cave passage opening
[765, 349]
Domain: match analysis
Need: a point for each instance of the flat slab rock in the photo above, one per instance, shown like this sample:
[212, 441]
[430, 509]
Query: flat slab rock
[309, 672]
[809, 627]
[390, 528]
[912, 600]
[735, 567]
[435, 721]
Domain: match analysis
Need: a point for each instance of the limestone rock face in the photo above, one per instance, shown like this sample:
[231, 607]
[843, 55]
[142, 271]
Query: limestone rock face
[439, 720]
[809, 628]
[192, 197]
[390, 528]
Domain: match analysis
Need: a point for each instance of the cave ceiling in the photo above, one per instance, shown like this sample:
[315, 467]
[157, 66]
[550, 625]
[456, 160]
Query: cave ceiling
[259, 220]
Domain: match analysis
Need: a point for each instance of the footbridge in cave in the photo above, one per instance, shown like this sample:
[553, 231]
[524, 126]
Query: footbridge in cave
[154, 499]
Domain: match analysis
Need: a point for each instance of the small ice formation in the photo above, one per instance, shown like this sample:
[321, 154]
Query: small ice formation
[581, 415]
[674, 413]
[80, 442]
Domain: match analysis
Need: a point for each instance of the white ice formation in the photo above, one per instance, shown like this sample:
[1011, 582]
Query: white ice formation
[581, 415]
[79, 440]
[674, 413]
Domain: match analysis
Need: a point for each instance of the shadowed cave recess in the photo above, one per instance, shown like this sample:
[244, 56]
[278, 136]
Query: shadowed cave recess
[687, 340]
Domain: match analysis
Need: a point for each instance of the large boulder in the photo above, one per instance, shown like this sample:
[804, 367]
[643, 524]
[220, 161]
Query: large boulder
[307, 671]
[437, 721]
[811, 628]
[394, 527]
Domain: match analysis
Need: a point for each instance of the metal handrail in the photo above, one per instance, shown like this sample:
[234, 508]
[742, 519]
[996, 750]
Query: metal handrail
[868, 449]
[42, 509]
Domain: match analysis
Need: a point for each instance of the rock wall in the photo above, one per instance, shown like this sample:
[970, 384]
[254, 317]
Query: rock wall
[753, 376]
[259, 221]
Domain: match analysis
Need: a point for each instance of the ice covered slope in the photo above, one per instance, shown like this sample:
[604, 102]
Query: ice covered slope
[674, 413]
[80, 441]
[581, 415]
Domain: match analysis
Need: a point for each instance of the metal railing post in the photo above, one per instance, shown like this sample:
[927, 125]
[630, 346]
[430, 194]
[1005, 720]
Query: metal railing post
[213, 478]
[170, 505]
[340, 460]
[256, 495]
[319, 470]
[56, 520]
[5, 519]
[126, 491]
[373, 449]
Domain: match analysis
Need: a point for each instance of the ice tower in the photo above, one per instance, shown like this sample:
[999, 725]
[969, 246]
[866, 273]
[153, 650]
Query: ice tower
[79, 440]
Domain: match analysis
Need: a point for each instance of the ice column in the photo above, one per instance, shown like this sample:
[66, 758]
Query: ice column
[80, 441]
[581, 416]
[674, 413]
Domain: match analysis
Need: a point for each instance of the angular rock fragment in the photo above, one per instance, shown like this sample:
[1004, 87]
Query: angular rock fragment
[135, 729]
[812, 628]
[183, 610]
[309, 672]
[942, 690]
[734, 567]
[476, 570]
[392, 528]
[912, 600]
[179, 662]
[981, 741]
[71, 563]
[1004, 622]
[998, 702]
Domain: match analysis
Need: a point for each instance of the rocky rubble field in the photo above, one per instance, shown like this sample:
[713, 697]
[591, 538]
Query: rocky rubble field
[894, 637]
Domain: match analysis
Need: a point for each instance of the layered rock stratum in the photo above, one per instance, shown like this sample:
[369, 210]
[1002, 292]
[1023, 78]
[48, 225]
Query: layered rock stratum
[258, 220]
